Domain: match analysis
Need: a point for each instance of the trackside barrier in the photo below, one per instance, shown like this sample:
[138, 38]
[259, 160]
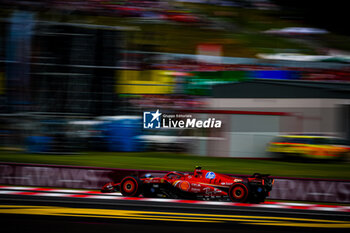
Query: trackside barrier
[298, 189]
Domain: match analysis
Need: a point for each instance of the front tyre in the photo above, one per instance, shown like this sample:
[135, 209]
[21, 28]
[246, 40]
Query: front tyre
[131, 186]
[238, 192]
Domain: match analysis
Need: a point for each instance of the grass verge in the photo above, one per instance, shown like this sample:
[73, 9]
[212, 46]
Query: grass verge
[182, 162]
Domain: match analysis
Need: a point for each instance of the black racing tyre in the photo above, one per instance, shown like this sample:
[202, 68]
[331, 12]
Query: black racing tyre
[148, 191]
[131, 186]
[238, 192]
[257, 200]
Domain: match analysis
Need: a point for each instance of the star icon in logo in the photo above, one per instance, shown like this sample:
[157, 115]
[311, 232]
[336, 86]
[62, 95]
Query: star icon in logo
[156, 115]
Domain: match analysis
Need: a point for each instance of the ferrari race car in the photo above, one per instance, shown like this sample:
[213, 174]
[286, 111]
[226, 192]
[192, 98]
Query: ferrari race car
[202, 184]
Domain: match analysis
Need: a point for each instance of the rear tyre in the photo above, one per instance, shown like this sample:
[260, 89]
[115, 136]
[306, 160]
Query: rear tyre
[131, 186]
[148, 191]
[257, 200]
[238, 192]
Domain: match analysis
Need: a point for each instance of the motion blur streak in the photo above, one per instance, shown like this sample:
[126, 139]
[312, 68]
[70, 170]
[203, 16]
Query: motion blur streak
[171, 216]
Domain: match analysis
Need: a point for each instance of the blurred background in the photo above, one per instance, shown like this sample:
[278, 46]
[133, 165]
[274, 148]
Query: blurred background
[75, 76]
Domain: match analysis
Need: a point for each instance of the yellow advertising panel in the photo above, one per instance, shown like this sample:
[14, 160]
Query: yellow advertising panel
[144, 82]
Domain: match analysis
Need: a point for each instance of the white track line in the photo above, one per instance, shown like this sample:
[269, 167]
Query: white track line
[35, 191]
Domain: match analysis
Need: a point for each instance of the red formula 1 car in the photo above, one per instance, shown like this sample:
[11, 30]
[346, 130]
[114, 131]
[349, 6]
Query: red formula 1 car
[202, 184]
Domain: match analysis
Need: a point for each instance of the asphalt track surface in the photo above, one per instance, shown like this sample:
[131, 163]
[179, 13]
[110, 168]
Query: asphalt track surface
[28, 213]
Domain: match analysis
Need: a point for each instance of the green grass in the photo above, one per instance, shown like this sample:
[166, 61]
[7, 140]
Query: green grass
[243, 40]
[246, 41]
[182, 162]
